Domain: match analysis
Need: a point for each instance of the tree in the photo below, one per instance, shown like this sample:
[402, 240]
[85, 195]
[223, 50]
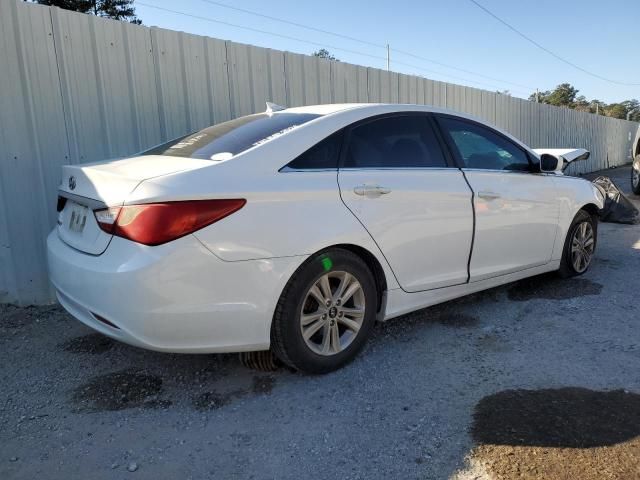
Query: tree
[564, 95]
[582, 104]
[616, 110]
[633, 107]
[115, 9]
[598, 107]
[540, 96]
[324, 53]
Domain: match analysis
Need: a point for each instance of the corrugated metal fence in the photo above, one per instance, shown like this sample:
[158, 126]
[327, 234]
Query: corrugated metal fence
[76, 88]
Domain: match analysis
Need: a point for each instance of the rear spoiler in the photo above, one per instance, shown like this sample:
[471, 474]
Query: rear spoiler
[565, 155]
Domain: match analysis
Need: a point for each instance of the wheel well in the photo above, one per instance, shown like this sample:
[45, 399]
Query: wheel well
[591, 209]
[373, 264]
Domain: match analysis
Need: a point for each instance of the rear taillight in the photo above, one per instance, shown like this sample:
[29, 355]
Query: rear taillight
[107, 218]
[158, 223]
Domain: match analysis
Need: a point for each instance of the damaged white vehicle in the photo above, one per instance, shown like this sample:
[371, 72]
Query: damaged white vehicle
[295, 229]
[635, 166]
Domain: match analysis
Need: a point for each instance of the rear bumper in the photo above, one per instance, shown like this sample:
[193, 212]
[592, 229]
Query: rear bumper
[176, 297]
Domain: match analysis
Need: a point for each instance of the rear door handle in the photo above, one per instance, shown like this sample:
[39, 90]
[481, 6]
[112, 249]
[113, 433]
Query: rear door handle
[371, 190]
[488, 195]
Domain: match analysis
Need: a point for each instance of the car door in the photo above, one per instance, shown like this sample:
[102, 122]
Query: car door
[394, 177]
[516, 208]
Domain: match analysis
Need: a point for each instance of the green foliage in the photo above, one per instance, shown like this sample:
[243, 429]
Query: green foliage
[566, 95]
[324, 53]
[632, 106]
[616, 110]
[563, 96]
[115, 9]
[582, 104]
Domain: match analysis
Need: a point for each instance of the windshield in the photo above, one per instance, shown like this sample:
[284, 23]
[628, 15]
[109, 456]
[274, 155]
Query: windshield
[224, 140]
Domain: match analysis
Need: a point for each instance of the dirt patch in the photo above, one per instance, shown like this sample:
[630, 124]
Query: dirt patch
[212, 400]
[551, 287]
[618, 462]
[94, 343]
[562, 433]
[118, 391]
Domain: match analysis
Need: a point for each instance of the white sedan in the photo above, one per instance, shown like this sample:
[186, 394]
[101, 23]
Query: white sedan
[295, 229]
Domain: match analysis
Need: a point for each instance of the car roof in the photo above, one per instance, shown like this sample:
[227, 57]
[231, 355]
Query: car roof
[364, 110]
[326, 108]
[370, 108]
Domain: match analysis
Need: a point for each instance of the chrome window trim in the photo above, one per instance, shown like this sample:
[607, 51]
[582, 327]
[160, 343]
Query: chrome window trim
[288, 169]
[494, 170]
[355, 169]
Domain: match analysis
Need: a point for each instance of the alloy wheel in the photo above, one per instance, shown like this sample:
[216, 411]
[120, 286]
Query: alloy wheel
[332, 313]
[582, 246]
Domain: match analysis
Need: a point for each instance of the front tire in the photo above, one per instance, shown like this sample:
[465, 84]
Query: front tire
[579, 245]
[325, 313]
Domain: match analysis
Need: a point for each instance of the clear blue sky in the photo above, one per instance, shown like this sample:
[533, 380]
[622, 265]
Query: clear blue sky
[599, 35]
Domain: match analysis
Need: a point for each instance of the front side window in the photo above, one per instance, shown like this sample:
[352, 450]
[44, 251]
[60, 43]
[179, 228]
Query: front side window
[224, 140]
[403, 141]
[482, 148]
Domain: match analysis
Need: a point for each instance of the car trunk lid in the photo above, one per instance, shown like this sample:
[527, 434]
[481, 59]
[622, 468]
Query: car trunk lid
[86, 188]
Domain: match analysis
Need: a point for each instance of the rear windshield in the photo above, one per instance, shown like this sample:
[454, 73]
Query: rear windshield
[224, 140]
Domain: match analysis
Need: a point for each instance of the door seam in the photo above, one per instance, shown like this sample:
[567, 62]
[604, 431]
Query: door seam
[473, 231]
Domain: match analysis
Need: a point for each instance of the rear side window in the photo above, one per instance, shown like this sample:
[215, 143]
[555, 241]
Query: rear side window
[402, 141]
[482, 148]
[224, 140]
[323, 155]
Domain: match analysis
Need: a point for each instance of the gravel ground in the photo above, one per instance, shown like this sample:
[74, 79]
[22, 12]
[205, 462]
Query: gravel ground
[537, 379]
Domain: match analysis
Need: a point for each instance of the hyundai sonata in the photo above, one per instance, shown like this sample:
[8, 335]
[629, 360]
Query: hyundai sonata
[296, 229]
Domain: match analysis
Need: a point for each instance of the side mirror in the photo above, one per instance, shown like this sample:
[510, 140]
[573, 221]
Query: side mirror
[550, 163]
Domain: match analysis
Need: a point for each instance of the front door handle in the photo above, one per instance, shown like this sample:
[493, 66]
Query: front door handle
[371, 190]
[488, 195]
